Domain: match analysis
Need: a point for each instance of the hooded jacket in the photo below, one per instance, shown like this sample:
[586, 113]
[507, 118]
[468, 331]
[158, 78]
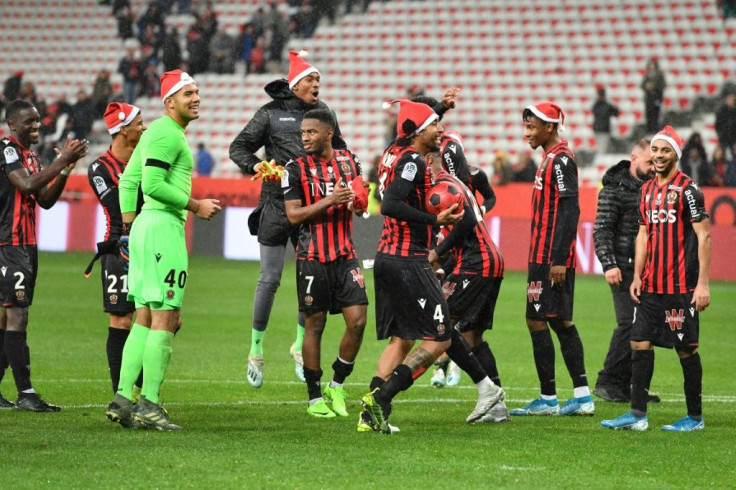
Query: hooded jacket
[617, 218]
[276, 127]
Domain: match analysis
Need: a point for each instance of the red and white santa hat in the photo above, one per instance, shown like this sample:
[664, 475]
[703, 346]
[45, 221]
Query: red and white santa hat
[298, 68]
[669, 135]
[172, 81]
[549, 112]
[119, 114]
[420, 114]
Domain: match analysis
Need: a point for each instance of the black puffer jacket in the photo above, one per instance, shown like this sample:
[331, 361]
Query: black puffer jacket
[617, 219]
[276, 127]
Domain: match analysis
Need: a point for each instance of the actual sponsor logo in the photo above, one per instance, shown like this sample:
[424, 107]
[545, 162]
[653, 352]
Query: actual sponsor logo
[534, 290]
[675, 319]
[691, 204]
[308, 300]
[170, 294]
[358, 277]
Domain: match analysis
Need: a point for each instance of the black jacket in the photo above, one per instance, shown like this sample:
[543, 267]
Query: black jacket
[276, 127]
[617, 218]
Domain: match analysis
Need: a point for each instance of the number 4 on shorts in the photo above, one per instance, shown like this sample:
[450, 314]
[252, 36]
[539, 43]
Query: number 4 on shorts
[171, 278]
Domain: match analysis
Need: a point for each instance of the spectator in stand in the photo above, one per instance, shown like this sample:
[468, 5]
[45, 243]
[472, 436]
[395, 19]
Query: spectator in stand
[694, 142]
[151, 84]
[83, 114]
[153, 16]
[222, 47]
[131, 70]
[719, 163]
[171, 51]
[653, 85]
[198, 48]
[123, 13]
[258, 19]
[245, 44]
[502, 171]
[525, 168]
[327, 8]
[12, 87]
[205, 163]
[726, 122]
[603, 111]
[208, 22]
[28, 93]
[306, 20]
[150, 46]
[275, 48]
[101, 93]
[364, 4]
[257, 60]
[184, 6]
[730, 179]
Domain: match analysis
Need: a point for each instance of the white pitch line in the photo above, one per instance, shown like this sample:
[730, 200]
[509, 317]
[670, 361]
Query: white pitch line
[666, 397]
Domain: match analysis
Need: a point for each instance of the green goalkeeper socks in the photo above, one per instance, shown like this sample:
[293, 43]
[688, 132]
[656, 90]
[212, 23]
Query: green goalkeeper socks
[132, 362]
[155, 360]
[299, 338]
[256, 342]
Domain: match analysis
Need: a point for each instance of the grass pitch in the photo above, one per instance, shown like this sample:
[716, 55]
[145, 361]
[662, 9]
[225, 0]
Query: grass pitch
[236, 436]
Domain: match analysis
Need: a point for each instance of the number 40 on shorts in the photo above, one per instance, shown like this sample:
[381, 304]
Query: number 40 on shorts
[172, 278]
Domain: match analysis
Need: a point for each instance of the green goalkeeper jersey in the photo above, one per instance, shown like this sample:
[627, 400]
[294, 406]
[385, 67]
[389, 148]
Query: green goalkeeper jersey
[162, 165]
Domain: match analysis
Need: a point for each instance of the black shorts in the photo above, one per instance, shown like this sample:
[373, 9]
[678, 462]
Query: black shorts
[544, 302]
[409, 301]
[472, 300]
[667, 320]
[331, 286]
[115, 285]
[18, 267]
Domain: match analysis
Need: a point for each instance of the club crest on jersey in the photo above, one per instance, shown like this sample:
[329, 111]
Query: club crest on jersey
[308, 300]
[533, 291]
[671, 197]
[675, 319]
[345, 167]
[358, 277]
[170, 294]
[20, 294]
[448, 289]
[440, 329]
[114, 299]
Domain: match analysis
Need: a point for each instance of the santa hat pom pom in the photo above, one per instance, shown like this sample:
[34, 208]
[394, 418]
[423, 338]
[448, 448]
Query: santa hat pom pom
[303, 54]
[121, 116]
[386, 105]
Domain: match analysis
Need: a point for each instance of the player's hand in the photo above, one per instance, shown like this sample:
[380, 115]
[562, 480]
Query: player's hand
[449, 99]
[208, 208]
[342, 193]
[73, 150]
[701, 297]
[124, 250]
[447, 217]
[557, 275]
[635, 290]
[613, 276]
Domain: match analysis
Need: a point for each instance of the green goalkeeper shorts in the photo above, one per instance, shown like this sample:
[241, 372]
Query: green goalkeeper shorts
[157, 275]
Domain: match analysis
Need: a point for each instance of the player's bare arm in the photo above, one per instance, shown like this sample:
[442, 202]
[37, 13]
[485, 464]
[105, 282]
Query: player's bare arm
[204, 208]
[701, 295]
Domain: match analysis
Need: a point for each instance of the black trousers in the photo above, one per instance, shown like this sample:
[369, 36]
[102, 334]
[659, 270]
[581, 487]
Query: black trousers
[617, 366]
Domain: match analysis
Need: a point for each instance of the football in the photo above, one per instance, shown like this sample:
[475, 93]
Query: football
[442, 195]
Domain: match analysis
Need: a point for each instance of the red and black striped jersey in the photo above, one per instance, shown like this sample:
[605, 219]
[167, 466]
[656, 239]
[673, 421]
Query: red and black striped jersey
[668, 212]
[473, 250]
[17, 211]
[453, 159]
[556, 178]
[308, 179]
[401, 166]
[104, 174]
